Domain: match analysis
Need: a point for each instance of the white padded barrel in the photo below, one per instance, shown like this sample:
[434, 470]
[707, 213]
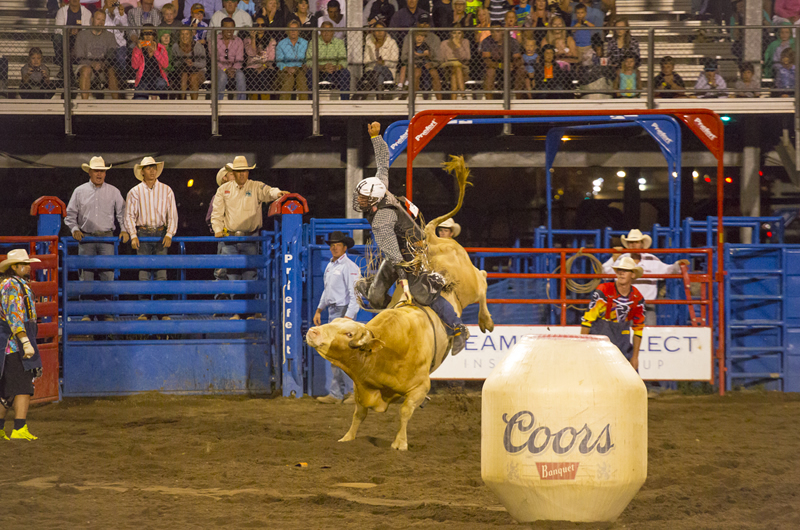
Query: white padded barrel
[564, 429]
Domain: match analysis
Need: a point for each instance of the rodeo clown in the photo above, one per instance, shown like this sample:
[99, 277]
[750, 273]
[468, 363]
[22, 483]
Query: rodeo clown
[392, 228]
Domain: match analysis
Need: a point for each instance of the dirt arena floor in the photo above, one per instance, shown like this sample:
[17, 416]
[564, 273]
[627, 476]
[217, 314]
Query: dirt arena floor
[153, 461]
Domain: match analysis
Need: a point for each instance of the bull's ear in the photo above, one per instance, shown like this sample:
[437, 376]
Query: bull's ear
[373, 346]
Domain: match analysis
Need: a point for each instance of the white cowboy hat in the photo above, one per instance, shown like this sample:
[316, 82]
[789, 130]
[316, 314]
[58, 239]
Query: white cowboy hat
[627, 264]
[220, 174]
[239, 164]
[18, 255]
[147, 161]
[96, 162]
[636, 235]
[452, 225]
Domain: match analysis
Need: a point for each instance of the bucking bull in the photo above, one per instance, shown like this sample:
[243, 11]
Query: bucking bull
[391, 357]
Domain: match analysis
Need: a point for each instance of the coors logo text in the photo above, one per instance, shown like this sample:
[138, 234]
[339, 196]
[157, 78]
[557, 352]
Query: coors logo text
[561, 441]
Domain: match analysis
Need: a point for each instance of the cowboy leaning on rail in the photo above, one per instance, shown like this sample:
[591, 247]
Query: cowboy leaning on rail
[21, 363]
[392, 227]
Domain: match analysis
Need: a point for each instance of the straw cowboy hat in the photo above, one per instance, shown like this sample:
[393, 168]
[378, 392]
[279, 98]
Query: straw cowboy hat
[452, 225]
[96, 162]
[340, 237]
[627, 264]
[220, 174]
[147, 161]
[18, 255]
[636, 235]
[239, 164]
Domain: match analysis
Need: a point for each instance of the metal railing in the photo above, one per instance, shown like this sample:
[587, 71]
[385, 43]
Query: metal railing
[310, 66]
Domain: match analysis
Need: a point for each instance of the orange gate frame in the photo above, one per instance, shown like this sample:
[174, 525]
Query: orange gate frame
[46, 293]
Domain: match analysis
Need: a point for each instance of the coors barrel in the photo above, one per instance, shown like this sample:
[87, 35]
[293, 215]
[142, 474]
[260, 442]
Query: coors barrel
[564, 429]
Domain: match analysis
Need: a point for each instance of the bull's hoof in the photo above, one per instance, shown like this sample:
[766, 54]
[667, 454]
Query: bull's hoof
[347, 438]
[400, 446]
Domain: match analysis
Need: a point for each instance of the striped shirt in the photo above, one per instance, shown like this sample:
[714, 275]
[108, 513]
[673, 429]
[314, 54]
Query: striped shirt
[92, 209]
[154, 208]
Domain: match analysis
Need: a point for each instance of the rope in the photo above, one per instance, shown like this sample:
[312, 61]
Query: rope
[577, 287]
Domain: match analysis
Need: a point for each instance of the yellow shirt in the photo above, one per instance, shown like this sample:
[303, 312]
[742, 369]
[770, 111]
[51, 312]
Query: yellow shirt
[239, 208]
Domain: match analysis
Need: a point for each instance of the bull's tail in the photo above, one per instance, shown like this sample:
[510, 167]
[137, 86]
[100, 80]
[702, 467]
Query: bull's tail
[458, 168]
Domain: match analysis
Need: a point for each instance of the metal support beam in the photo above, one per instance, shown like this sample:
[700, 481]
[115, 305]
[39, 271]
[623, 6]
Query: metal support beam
[67, 69]
[750, 186]
[355, 169]
[214, 84]
[315, 127]
[631, 198]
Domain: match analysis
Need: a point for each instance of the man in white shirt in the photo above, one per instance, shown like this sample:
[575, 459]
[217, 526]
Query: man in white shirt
[336, 17]
[339, 298]
[229, 10]
[636, 241]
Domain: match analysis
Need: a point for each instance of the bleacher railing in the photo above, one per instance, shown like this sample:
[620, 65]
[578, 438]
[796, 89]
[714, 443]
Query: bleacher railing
[477, 63]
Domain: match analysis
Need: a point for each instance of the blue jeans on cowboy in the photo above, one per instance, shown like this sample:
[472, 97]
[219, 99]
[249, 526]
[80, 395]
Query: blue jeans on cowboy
[246, 248]
[339, 383]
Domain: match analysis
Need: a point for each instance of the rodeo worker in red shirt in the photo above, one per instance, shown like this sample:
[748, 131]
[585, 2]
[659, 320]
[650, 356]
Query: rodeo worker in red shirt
[617, 308]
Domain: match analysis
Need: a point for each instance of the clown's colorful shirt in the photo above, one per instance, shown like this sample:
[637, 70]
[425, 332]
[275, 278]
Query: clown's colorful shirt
[608, 304]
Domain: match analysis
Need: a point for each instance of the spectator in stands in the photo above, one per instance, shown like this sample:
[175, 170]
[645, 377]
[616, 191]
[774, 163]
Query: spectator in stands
[540, 18]
[448, 229]
[628, 78]
[668, 79]
[72, 14]
[747, 81]
[150, 60]
[407, 17]
[335, 16]
[332, 61]
[426, 67]
[273, 16]
[95, 49]
[510, 21]
[560, 8]
[551, 76]
[472, 9]
[442, 14]
[116, 17]
[230, 57]
[260, 70]
[145, 14]
[650, 264]
[237, 212]
[561, 41]
[492, 53]
[583, 37]
[169, 20]
[482, 21]
[248, 6]
[380, 60]
[150, 211]
[35, 76]
[230, 10]
[166, 40]
[304, 17]
[209, 8]
[379, 8]
[621, 43]
[594, 75]
[460, 18]
[710, 84]
[497, 9]
[523, 14]
[190, 63]
[290, 56]
[786, 11]
[196, 20]
[339, 298]
[20, 363]
[617, 309]
[772, 55]
[784, 74]
[530, 56]
[455, 56]
[91, 211]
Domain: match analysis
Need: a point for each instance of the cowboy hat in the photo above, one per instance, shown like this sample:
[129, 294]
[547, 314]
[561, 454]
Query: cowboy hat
[96, 162]
[340, 237]
[147, 161]
[221, 173]
[452, 225]
[627, 264]
[239, 164]
[18, 255]
[636, 235]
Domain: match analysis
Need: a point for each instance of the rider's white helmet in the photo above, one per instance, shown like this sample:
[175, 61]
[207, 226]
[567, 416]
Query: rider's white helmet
[373, 188]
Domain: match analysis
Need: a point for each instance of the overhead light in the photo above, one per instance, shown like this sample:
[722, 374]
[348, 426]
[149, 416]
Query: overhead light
[641, 187]
[725, 118]
[565, 138]
[190, 183]
[674, 174]
[620, 173]
[642, 181]
[728, 180]
[596, 188]
[695, 174]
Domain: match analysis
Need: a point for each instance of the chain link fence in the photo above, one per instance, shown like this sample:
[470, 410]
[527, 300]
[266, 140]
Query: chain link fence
[297, 63]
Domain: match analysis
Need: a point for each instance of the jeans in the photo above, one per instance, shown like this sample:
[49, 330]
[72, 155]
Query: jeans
[97, 249]
[340, 384]
[152, 249]
[241, 83]
[247, 248]
[150, 84]
[340, 79]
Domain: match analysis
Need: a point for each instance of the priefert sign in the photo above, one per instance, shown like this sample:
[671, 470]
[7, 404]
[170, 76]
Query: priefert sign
[667, 353]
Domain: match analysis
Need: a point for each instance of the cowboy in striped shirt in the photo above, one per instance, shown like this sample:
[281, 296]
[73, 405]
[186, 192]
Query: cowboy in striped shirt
[151, 212]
